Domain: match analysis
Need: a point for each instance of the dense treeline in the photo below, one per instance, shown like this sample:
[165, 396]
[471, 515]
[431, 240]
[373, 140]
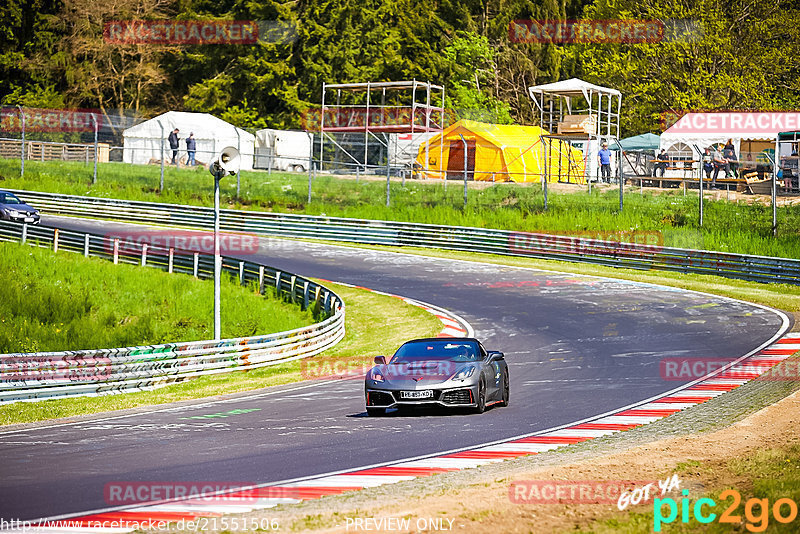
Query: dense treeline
[735, 54]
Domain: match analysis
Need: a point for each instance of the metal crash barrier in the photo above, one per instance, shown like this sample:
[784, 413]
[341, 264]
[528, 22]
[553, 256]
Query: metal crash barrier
[44, 375]
[504, 242]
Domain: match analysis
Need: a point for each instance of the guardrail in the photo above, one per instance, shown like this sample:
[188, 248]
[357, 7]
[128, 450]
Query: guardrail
[38, 376]
[547, 246]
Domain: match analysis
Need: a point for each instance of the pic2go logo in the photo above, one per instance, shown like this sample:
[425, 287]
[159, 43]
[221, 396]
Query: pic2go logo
[756, 511]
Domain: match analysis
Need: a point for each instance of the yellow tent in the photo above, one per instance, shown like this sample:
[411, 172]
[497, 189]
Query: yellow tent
[500, 153]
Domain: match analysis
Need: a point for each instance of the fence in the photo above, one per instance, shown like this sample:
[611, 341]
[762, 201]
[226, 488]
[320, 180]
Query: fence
[104, 371]
[504, 242]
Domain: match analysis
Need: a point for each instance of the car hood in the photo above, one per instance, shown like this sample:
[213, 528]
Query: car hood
[422, 375]
[18, 207]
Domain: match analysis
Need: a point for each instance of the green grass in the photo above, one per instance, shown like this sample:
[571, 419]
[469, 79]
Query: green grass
[63, 301]
[730, 227]
[375, 324]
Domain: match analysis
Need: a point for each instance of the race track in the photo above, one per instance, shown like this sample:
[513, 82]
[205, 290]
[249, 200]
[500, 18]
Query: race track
[576, 347]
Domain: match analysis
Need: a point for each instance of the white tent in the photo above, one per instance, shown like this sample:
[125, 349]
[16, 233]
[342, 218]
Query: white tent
[143, 143]
[750, 131]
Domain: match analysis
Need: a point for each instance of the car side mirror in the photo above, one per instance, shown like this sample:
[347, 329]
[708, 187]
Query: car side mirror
[380, 360]
[496, 356]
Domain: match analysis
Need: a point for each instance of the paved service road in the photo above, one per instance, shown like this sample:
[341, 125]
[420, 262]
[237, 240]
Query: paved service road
[576, 347]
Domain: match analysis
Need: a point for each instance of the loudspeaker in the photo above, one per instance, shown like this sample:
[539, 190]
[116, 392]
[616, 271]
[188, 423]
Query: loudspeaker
[228, 161]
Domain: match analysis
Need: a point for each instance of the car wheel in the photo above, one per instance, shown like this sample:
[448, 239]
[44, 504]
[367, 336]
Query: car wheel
[299, 168]
[376, 412]
[481, 407]
[504, 399]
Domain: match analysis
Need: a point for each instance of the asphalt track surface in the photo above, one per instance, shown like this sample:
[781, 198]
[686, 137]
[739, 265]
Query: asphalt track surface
[576, 347]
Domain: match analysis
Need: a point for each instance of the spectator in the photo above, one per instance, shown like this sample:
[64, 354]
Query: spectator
[173, 144]
[605, 163]
[729, 153]
[708, 163]
[191, 148]
[720, 162]
[662, 162]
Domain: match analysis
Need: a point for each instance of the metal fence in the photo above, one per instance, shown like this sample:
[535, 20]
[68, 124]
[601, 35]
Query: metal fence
[504, 242]
[39, 376]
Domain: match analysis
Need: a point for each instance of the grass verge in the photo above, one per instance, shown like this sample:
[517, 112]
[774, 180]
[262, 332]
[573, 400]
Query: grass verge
[728, 226]
[376, 324]
[63, 301]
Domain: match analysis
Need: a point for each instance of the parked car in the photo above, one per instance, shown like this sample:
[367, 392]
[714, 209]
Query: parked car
[14, 209]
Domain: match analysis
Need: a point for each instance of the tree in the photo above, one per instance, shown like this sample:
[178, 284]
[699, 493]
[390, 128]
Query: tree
[731, 55]
[92, 72]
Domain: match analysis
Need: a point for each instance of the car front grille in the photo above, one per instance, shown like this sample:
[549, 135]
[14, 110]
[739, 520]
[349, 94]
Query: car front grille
[379, 398]
[457, 396]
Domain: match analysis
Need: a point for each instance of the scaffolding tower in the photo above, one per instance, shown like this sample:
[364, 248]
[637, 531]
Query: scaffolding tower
[365, 112]
[580, 113]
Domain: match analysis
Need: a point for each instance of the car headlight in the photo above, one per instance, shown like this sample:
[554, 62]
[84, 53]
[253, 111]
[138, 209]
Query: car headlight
[376, 376]
[465, 373]
[13, 213]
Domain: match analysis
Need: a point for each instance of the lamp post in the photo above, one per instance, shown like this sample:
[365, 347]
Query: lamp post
[227, 162]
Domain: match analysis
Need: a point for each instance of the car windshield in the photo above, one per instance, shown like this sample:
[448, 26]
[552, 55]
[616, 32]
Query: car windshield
[435, 350]
[8, 198]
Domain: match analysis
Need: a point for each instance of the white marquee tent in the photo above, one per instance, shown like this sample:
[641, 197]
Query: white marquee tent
[142, 143]
[750, 131]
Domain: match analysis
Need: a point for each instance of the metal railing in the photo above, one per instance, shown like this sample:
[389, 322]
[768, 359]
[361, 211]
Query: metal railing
[504, 242]
[37, 376]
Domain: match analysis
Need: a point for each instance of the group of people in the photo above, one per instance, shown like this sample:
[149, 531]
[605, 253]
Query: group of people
[174, 145]
[715, 161]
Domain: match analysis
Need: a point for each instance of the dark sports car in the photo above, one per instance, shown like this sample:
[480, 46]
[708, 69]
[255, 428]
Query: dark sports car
[452, 372]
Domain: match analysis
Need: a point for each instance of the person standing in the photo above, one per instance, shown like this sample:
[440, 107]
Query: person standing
[191, 148]
[173, 144]
[605, 163]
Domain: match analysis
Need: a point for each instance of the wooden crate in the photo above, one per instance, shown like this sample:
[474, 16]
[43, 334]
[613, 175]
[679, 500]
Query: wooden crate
[578, 124]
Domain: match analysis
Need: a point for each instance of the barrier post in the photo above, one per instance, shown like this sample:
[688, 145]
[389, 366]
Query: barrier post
[260, 278]
[305, 295]
[292, 287]
[94, 174]
[86, 245]
[24, 237]
[241, 273]
[196, 264]
[55, 240]
[116, 251]
[144, 254]
[278, 282]
[171, 264]
[22, 153]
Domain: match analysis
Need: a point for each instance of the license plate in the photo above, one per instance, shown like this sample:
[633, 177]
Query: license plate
[28, 219]
[423, 394]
